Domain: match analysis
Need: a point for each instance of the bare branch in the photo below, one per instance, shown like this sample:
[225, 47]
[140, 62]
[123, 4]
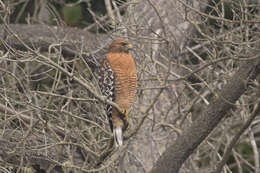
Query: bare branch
[174, 156]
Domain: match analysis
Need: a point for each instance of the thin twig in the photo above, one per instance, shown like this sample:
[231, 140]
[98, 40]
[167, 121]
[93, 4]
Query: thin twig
[236, 138]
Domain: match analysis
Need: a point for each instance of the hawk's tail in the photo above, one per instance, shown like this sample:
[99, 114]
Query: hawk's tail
[118, 136]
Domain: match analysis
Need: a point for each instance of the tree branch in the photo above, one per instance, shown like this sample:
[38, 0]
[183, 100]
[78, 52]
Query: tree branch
[29, 38]
[42, 36]
[175, 155]
[236, 138]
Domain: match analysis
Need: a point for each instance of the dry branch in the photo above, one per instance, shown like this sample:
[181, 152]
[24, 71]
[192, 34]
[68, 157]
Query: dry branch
[175, 155]
[42, 36]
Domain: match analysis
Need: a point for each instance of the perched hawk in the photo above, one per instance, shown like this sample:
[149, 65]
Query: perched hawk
[118, 83]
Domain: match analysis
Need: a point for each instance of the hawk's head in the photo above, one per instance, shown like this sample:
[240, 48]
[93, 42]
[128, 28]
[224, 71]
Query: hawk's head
[120, 46]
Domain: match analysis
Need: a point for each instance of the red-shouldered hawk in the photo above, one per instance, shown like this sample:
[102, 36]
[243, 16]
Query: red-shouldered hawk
[118, 83]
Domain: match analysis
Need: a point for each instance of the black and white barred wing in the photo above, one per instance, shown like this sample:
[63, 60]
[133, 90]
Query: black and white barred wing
[106, 84]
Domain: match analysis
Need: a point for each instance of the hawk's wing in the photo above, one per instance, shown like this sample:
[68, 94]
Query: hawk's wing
[106, 84]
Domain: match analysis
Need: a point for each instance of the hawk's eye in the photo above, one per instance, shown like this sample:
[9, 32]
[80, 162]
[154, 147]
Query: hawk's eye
[124, 44]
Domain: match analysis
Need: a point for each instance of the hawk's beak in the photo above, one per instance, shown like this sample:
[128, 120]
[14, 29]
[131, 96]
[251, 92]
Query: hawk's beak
[130, 46]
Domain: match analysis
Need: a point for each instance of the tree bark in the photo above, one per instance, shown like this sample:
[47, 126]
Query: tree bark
[175, 155]
[42, 36]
